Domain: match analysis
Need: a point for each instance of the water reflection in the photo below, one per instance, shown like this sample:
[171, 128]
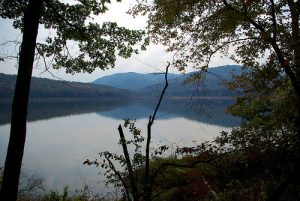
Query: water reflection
[61, 134]
[41, 109]
[210, 111]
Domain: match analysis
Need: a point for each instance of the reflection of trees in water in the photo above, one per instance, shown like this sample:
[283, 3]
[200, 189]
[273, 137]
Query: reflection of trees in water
[211, 111]
[49, 108]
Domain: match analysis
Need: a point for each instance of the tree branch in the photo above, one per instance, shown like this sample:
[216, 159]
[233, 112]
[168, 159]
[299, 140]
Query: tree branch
[245, 15]
[274, 21]
[282, 60]
[128, 163]
[81, 31]
[117, 173]
[147, 190]
[225, 44]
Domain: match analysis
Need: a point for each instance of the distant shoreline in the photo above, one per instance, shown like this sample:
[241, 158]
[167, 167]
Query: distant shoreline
[52, 99]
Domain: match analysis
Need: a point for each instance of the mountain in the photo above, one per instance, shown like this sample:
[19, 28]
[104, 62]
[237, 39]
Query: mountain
[145, 85]
[47, 88]
[209, 84]
[119, 85]
[130, 80]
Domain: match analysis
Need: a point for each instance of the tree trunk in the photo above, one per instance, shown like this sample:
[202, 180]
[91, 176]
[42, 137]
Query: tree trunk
[128, 164]
[295, 9]
[16, 143]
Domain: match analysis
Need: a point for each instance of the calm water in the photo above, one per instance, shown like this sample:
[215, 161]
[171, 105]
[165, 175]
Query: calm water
[61, 134]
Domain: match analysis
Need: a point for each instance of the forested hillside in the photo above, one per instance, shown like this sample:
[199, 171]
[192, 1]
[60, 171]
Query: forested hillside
[139, 85]
[131, 80]
[47, 88]
[211, 83]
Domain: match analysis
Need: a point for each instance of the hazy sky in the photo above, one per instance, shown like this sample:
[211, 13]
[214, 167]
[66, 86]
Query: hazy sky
[146, 62]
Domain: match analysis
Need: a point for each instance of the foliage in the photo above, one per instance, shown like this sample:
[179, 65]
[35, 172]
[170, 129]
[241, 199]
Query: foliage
[72, 24]
[197, 30]
[236, 166]
[119, 178]
[83, 194]
[225, 172]
[75, 28]
[136, 168]
[267, 135]
[31, 188]
[31, 185]
[55, 196]
[264, 37]
[169, 178]
[261, 35]
[268, 109]
[266, 138]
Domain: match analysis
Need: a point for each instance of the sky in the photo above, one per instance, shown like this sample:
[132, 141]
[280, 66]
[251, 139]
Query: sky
[152, 60]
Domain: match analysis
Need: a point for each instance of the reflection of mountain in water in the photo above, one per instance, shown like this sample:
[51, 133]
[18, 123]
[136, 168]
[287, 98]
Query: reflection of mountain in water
[208, 111]
[42, 109]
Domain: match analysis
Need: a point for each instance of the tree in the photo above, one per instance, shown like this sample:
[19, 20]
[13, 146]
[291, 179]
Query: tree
[97, 47]
[16, 144]
[267, 133]
[253, 30]
[264, 37]
[129, 177]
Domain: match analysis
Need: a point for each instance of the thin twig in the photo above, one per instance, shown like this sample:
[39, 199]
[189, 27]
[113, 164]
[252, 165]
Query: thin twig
[117, 173]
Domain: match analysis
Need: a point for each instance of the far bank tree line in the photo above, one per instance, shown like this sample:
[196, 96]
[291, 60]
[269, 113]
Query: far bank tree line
[212, 85]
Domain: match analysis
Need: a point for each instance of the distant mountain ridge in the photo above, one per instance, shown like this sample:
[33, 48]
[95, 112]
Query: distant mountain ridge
[148, 84]
[130, 80]
[47, 88]
[131, 84]
[209, 84]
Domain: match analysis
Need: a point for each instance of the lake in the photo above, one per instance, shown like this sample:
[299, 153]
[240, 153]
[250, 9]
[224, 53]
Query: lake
[61, 134]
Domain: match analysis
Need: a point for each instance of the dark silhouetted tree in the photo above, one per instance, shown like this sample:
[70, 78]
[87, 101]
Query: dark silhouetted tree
[97, 45]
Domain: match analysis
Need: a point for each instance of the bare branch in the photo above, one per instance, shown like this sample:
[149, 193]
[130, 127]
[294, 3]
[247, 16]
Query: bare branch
[47, 66]
[16, 42]
[161, 96]
[147, 191]
[117, 173]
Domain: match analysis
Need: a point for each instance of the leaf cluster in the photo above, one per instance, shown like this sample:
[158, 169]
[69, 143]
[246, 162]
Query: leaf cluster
[111, 162]
[195, 30]
[76, 41]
